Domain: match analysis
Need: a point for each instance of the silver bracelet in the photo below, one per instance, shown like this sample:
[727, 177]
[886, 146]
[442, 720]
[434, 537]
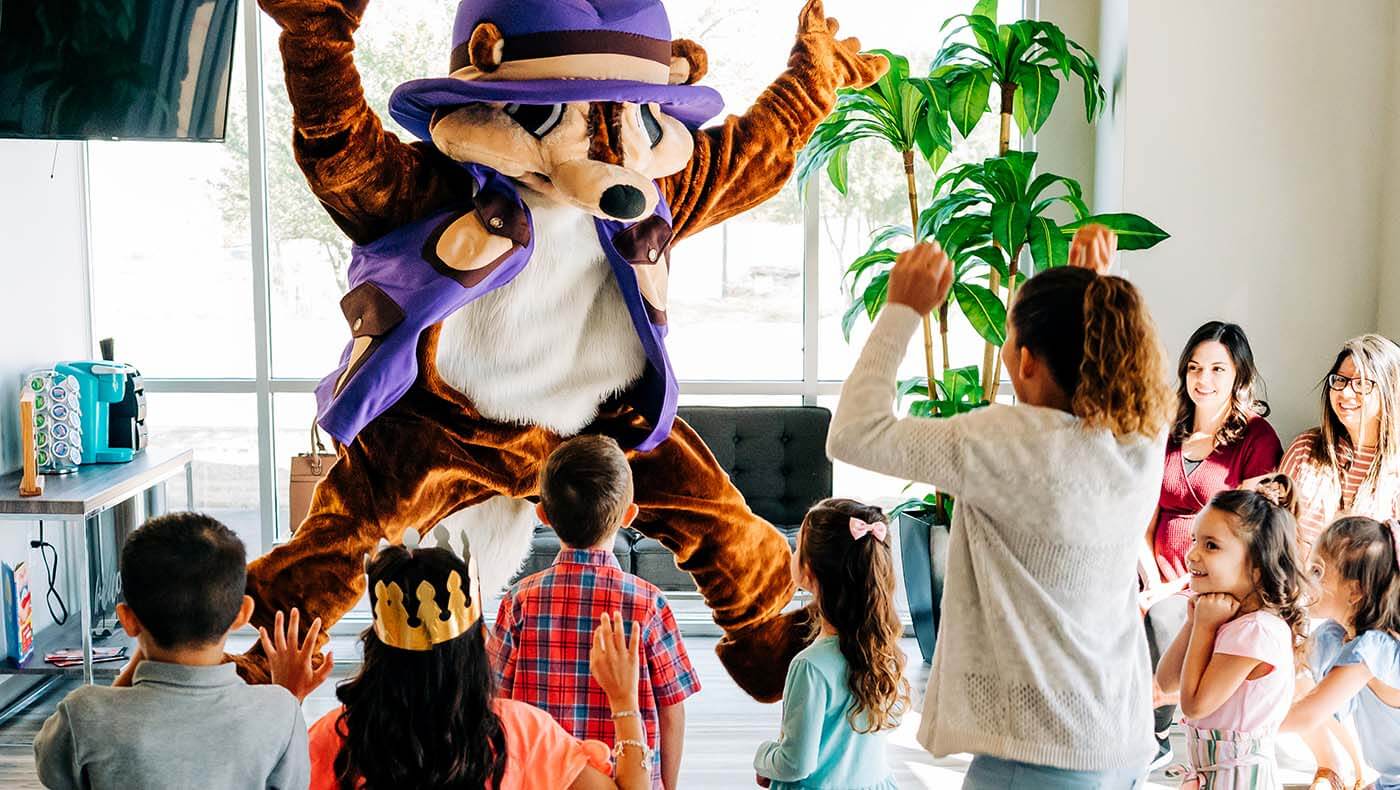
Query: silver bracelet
[646, 751]
[626, 714]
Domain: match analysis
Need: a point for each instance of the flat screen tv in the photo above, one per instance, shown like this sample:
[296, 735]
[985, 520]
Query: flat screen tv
[115, 69]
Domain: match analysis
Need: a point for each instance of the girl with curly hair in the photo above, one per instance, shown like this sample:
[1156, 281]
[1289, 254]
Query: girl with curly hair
[1041, 668]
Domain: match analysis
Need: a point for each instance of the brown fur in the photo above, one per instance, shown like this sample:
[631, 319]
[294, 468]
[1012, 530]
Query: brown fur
[605, 132]
[431, 454]
[697, 62]
[484, 47]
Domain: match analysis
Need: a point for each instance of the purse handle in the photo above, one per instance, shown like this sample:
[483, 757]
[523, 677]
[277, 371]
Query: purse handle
[317, 448]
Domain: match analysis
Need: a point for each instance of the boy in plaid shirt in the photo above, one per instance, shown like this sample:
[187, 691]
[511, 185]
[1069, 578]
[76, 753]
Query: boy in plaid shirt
[545, 626]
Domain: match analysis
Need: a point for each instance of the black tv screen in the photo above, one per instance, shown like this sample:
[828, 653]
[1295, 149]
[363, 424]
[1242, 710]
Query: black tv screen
[115, 69]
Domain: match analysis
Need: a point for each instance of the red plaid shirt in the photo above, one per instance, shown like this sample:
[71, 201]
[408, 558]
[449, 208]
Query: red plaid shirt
[545, 629]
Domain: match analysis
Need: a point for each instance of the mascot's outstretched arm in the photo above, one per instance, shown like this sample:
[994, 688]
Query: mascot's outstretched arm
[367, 179]
[748, 158]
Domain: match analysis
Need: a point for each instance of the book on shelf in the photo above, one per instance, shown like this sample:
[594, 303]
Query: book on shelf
[16, 613]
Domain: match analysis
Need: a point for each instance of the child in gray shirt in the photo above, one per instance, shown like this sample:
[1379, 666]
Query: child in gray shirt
[177, 717]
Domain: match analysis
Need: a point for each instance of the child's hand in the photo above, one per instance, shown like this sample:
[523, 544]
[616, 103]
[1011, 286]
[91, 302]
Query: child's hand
[921, 278]
[290, 659]
[1215, 609]
[1093, 248]
[614, 661]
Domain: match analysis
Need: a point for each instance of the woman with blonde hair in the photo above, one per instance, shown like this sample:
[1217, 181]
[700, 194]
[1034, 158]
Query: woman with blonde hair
[1350, 464]
[1041, 669]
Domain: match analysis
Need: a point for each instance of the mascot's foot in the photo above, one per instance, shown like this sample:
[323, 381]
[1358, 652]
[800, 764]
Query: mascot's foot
[252, 666]
[757, 657]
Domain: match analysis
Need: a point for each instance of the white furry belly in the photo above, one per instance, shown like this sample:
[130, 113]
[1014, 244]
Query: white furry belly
[552, 345]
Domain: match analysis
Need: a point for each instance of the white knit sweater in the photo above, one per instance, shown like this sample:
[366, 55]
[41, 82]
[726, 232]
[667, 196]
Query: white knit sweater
[1041, 652]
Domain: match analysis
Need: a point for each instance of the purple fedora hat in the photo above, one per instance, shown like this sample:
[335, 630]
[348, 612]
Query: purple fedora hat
[559, 51]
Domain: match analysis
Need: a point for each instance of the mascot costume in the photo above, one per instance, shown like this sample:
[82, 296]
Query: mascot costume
[508, 289]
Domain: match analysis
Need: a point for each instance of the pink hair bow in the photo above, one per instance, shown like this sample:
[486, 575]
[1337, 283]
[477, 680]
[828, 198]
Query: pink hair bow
[860, 529]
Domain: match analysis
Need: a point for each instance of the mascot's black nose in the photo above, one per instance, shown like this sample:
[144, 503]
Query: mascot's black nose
[622, 201]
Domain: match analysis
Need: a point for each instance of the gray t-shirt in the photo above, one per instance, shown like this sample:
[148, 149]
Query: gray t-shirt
[176, 727]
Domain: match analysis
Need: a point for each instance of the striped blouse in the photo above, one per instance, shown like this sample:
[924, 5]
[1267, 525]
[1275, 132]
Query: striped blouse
[1319, 502]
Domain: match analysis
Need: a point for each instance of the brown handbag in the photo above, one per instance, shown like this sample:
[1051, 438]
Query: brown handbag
[308, 469]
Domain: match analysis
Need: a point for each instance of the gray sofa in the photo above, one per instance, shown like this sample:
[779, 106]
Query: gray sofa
[776, 456]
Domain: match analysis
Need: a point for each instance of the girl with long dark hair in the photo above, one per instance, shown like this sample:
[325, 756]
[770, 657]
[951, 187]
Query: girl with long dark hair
[422, 711]
[848, 686]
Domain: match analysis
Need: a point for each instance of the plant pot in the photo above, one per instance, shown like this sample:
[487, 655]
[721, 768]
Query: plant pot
[923, 547]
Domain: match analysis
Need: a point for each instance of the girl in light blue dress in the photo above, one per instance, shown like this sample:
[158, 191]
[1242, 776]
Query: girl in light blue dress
[1355, 653]
[848, 688]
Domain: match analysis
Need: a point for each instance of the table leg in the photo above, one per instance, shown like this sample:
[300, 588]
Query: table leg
[84, 551]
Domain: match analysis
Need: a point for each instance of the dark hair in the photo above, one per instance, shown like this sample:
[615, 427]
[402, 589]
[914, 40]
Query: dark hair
[855, 595]
[184, 577]
[585, 488]
[1097, 338]
[1247, 384]
[1364, 551]
[420, 718]
[1265, 519]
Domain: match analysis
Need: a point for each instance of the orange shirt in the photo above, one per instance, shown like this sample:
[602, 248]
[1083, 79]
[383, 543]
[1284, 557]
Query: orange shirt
[540, 755]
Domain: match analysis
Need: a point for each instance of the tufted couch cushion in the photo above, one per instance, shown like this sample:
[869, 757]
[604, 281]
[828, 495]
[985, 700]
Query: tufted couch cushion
[776, 456]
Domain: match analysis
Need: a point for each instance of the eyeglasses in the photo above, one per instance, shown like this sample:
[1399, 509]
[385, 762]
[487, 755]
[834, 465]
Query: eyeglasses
[1337, 382]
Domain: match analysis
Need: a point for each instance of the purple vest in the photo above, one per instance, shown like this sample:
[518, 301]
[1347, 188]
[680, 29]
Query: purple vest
[399, 288]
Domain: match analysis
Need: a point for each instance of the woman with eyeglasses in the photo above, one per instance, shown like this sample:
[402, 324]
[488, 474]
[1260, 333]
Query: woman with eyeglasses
[1350, 464]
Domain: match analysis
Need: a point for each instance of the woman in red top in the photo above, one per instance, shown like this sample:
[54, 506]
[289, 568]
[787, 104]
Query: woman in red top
[1220, 439]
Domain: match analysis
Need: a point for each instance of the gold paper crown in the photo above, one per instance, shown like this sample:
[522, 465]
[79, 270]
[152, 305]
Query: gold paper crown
[392, 622]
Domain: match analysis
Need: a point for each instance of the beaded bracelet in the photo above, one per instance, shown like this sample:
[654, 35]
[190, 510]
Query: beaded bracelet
[626, 714]
[646, 751]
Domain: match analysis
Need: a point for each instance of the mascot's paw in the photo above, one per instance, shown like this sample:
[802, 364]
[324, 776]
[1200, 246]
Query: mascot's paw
[302, 14]
[842, 58]
[758, 656]
[252, 666]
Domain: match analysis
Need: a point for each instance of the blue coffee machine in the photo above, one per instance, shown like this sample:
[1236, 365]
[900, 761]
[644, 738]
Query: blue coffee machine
[112, 405]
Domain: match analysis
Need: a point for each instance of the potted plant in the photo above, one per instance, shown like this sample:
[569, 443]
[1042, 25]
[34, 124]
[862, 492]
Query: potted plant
[991, 217]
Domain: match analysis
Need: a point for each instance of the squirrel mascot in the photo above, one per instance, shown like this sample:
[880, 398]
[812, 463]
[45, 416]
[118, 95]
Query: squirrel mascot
[508, 289]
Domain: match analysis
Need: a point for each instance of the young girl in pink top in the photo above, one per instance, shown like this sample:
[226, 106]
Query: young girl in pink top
[1233, 660]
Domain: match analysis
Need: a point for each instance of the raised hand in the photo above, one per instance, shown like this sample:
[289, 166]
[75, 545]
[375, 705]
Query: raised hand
[292, 660]
[921, 277]
[615, 660]
[1094, 247]
[817, 33]
[299, 14]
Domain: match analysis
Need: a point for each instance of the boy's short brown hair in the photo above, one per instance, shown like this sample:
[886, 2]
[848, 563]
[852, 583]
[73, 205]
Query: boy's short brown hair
[585, 488]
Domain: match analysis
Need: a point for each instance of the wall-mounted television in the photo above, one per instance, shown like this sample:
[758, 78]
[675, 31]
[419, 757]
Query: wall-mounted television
[115, 69]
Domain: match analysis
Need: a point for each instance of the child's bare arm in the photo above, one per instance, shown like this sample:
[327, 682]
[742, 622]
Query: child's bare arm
[1208, 679]
[1340, 685]
[672, 721]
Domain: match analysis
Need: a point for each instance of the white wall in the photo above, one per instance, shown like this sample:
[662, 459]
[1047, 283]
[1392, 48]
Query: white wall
[44, 316]
[1388, 319]
[1256, 133]
[1066, 142]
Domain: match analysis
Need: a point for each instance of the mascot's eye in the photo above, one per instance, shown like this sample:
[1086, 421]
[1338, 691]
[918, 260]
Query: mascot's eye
[652, 125]
[537, 119]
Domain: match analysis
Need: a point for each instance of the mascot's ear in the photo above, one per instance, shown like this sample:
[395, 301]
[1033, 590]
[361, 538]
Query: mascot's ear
[486, 47]
[688, 62]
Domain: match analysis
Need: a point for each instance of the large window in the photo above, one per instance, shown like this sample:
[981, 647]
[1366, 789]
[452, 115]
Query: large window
[220, 274]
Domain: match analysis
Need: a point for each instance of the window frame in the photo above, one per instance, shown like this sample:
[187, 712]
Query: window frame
[264, 386]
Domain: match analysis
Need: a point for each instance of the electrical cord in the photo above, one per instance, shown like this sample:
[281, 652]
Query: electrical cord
[51, 597]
